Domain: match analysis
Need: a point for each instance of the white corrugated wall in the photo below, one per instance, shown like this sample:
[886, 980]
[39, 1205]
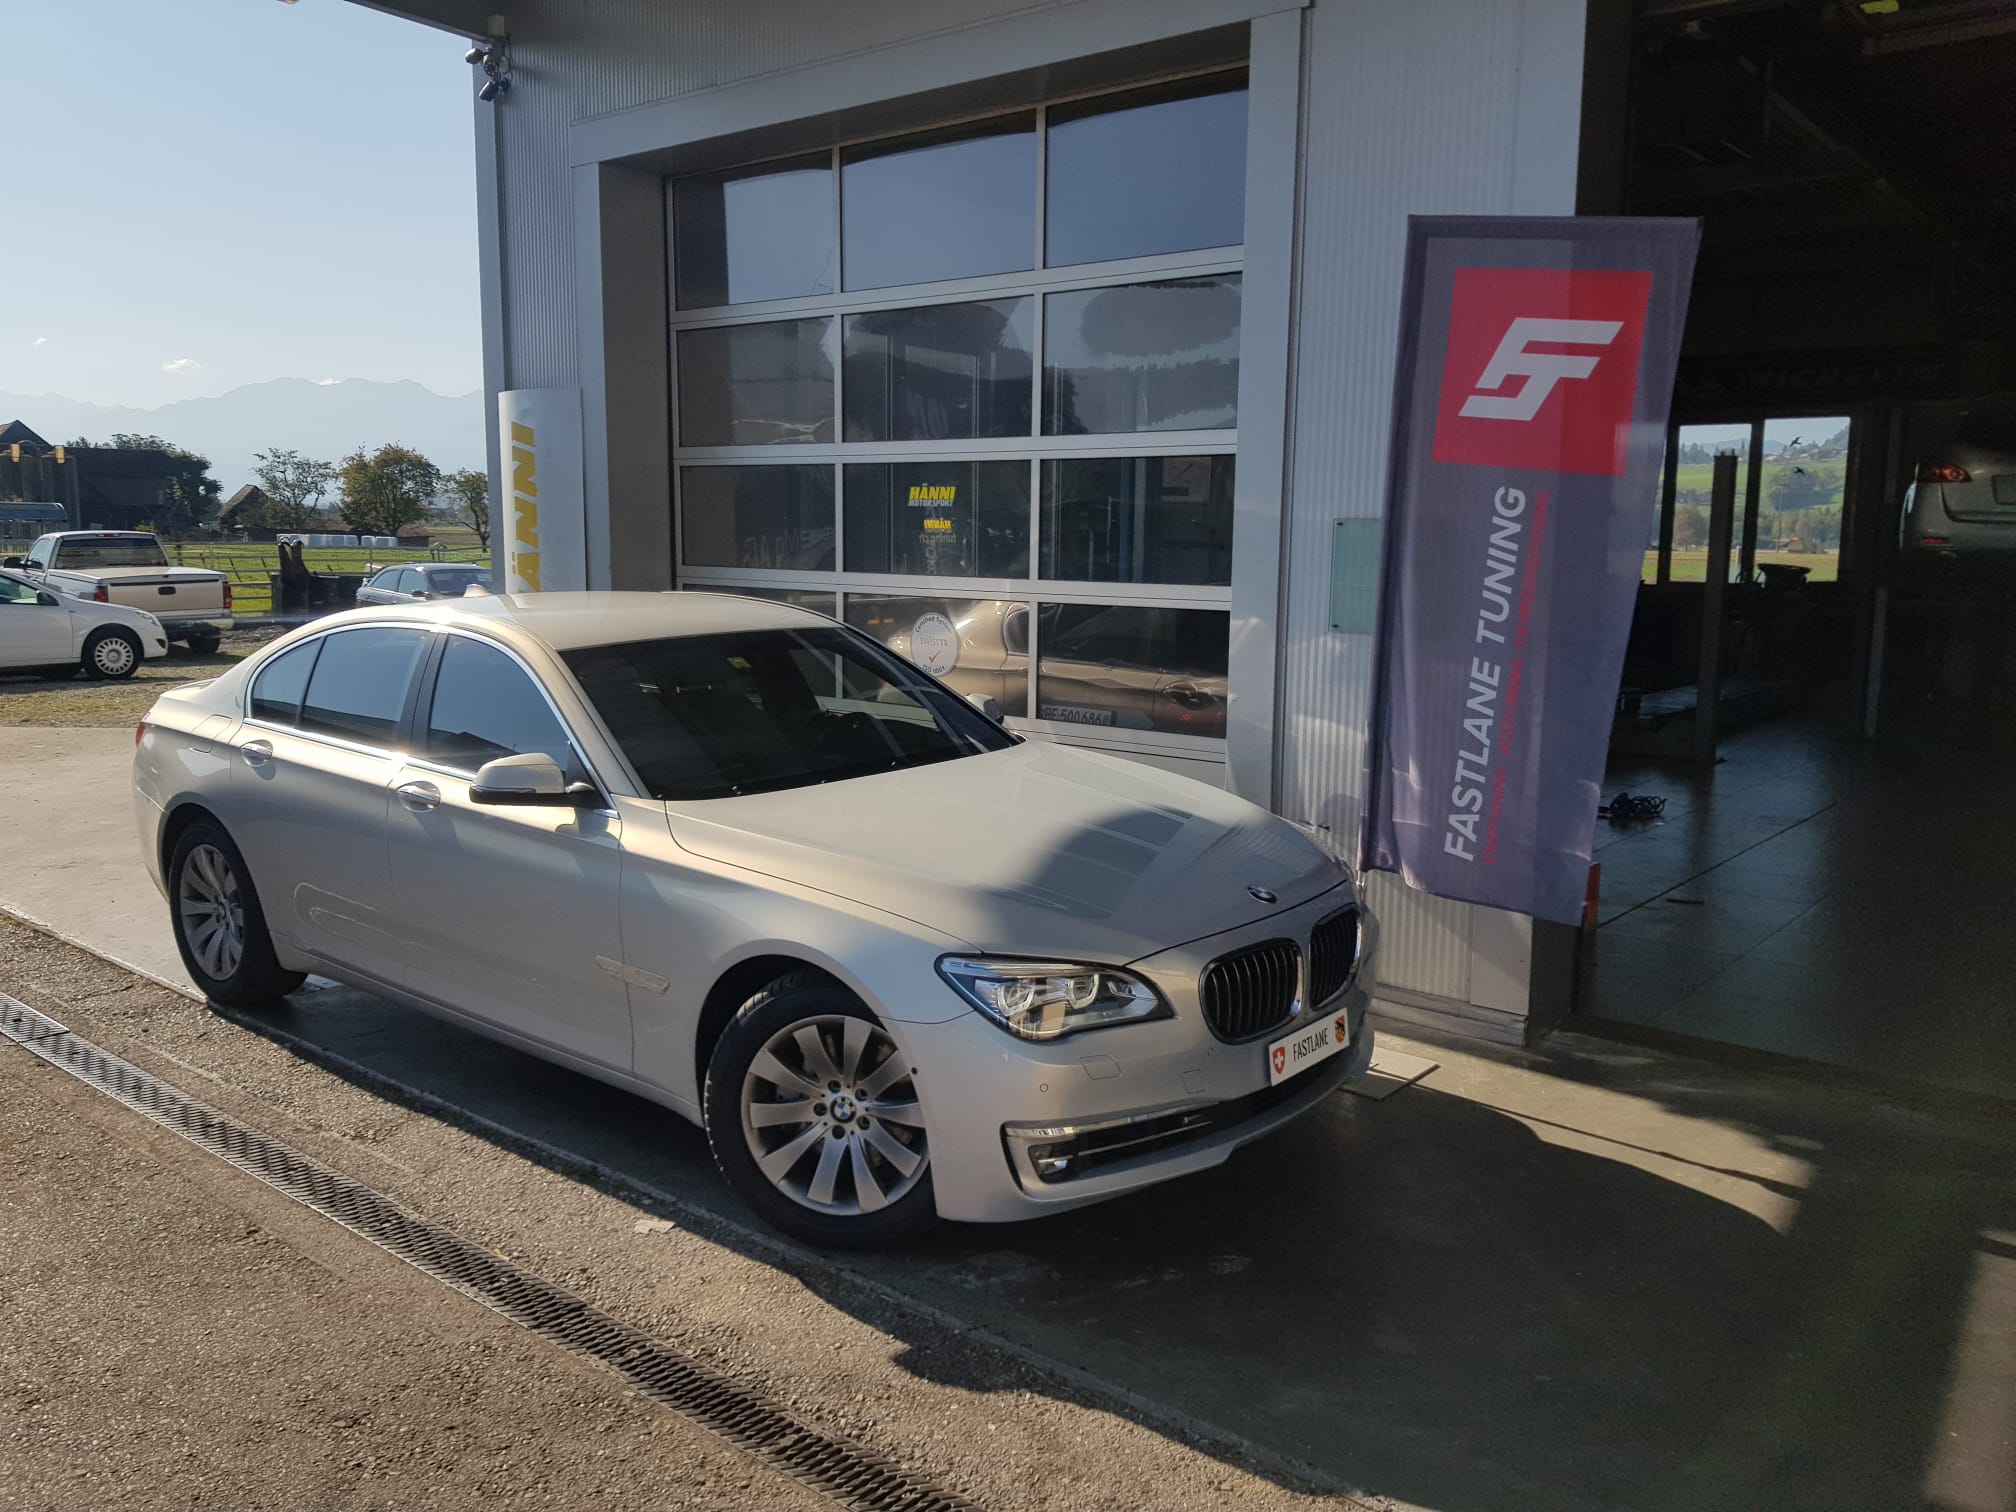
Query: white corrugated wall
[1432, 107]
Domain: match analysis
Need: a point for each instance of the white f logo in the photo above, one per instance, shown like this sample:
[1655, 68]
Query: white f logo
[1541, 370]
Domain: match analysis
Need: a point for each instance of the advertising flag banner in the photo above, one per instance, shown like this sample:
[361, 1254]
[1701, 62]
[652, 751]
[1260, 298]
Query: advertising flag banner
[544, 521]
[1529, 425]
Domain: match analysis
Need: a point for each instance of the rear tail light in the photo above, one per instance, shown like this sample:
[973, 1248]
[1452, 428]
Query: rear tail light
[227, 595]
[139, 732]
[1931, 540]
[1943, 472]
[100, 596]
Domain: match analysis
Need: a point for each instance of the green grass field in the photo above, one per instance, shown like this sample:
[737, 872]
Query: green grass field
[248, 564]
[1692, 566]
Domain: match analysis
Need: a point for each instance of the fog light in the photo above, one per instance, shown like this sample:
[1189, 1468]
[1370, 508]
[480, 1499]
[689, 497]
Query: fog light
[1052, 1162]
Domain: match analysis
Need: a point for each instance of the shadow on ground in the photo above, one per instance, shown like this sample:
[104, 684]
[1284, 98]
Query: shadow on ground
[1424, 1298]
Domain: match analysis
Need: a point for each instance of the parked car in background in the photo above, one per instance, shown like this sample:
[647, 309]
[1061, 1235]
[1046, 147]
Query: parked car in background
[744, 861]
[41, 628]
[419, 581]
[129, 567]
[1963, 499]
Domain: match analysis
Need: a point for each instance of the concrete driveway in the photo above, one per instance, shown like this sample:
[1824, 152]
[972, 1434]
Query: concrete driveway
[1585, 1277]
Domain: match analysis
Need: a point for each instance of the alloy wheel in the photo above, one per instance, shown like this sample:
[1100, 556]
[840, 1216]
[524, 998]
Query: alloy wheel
[211, 911]
[831, 1116]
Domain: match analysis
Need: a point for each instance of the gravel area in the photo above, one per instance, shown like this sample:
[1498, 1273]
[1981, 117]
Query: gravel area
[175, 1335]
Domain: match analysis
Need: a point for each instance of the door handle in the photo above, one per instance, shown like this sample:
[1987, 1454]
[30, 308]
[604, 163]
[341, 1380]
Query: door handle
[419, 796]
[256, 752]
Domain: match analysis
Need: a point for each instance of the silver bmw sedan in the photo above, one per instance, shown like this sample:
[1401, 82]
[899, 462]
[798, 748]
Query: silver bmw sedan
[744, 861]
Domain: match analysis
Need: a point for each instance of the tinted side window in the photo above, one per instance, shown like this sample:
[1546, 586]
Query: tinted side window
[384, 577]
[485, 707]
[277, 690]
[410, 580]
[360, 682]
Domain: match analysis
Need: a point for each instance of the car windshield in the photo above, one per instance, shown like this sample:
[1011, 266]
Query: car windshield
[719, 716]
[453, 580]
[111, 551]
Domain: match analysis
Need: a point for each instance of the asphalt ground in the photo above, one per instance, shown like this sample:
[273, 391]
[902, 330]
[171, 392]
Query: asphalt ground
[174, 1334]
[1589, 1277]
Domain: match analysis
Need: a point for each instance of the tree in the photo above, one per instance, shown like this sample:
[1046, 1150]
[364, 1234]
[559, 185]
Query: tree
[386, 489]
[471, 492]
[189, 497]
[294, 483]
[1690, 528]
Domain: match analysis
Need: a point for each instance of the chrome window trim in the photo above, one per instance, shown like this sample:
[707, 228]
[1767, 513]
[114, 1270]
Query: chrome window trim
[416, 758]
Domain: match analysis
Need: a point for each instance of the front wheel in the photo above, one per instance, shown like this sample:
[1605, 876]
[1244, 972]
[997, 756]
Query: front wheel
[220, 928]
[110, 655]
[813, 1117]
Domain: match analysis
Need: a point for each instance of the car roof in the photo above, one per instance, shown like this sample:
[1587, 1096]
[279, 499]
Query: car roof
[565, 621]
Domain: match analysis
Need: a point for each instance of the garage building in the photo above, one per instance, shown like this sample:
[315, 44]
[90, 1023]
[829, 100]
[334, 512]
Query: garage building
[1053, 344]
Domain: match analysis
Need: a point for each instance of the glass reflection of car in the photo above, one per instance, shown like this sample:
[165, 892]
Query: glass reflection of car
[1963, 500]
[1113, 666]
[419, 581]
[740, 860]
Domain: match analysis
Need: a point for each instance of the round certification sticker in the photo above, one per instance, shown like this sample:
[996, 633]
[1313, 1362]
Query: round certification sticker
[934, 644]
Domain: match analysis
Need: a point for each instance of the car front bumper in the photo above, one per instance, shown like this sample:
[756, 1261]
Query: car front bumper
[1146, 1102]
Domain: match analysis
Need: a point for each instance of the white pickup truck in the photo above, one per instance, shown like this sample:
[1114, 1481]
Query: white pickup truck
[129, 567]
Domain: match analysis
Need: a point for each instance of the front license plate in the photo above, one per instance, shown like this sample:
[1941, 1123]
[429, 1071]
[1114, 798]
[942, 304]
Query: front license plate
[1305, 1045]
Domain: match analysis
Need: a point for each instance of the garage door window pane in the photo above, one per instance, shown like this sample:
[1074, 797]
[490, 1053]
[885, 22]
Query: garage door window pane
[1138, 520]
[1142, 357]
[1123, 667]
[358, 689]
[978, 647]
[939, 519]
[485, 706]
[951, 371]
[277, 690]
[756, 385]
[757, 517]
[945, 204]
[1152, 171]
[762, 233]
[797, 598]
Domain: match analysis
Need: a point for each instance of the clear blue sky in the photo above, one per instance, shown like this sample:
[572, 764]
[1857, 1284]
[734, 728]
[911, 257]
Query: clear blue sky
[204, 193]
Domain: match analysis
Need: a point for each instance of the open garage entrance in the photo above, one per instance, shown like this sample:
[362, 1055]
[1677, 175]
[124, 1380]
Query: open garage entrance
[1821, 681]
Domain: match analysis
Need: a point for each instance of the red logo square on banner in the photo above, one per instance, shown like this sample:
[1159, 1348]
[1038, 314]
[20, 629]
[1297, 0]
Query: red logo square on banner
[1542, 368]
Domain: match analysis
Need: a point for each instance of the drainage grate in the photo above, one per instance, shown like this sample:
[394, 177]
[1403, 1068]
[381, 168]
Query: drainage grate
[851, 1476]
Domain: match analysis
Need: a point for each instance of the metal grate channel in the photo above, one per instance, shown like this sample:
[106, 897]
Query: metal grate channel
[1333, 955]
[1251, 991]
[851, 1476]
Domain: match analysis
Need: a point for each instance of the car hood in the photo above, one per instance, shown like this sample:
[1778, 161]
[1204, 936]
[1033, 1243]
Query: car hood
[1038, 850]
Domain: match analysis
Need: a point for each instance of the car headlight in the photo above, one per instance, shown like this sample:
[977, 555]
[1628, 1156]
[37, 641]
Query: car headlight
[1046, 1000]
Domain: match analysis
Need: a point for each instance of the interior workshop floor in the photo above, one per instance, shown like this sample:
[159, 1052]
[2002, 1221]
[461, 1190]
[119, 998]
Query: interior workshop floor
[1816, 896]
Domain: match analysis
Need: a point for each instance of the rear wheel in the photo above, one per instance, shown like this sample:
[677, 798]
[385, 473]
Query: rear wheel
[111, 654]
[220, 929]
[205, 644]
[813, 1116]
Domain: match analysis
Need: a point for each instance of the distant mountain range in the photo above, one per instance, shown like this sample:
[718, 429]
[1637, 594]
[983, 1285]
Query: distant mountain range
[322, 420]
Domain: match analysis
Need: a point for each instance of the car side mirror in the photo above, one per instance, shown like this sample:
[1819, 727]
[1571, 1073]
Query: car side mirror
[986, 706]
[530, 780]
[421, 593]
[13, 561]
[47, 600]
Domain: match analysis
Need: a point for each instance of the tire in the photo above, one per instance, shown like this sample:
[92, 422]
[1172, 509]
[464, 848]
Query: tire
[861, 1175]
[208, 884]
[111, 655]
[204, 645]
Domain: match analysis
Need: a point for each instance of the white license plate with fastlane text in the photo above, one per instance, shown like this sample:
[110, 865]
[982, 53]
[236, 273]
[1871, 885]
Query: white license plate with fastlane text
[1307, 1043]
